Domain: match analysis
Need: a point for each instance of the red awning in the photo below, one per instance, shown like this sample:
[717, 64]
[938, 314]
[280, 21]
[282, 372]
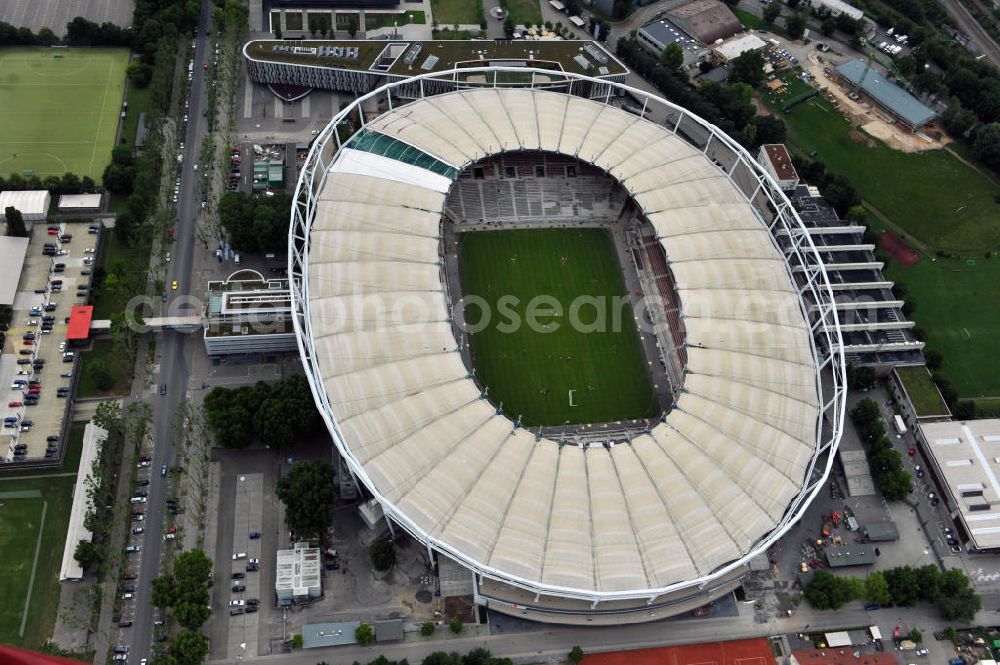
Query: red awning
[79, 322]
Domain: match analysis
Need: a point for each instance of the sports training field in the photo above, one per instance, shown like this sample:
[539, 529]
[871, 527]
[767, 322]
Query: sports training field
[533, 371]
[60, 109]
[20, 521]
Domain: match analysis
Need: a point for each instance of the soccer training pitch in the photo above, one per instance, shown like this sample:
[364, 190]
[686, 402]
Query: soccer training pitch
[60, 109]
[553, 373]
[21, 515]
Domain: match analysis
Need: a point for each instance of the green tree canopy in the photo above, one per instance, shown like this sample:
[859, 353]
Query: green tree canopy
[672, 56]
[308, 494]
[877, 589]
[795, 25]
[15, 222]
[772, 11]
[86, 554]
[748, 68]
[364, 634]
[189, 648]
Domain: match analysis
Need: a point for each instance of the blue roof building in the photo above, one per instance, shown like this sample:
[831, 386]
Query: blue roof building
[887, 96]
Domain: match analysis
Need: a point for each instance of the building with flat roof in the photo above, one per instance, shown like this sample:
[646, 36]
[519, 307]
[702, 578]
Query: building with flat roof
[706, 20]
[363, 65]
[79, 203]
[836, 8]
[733, 48]
[885, 95]
[841, 656]
[93, 438]
[335, 634]
[247, 314]
[389, 630]
[777, 162]
[881, 532]
[12, 252]
[964, 460]
[298, 576]
[842, 556]
[33, 204]
[661, 32]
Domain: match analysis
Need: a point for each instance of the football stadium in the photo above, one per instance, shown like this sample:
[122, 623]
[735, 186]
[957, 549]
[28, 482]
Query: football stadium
[592, 357]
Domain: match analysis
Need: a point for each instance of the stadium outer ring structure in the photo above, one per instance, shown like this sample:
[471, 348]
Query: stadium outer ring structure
[824, 323]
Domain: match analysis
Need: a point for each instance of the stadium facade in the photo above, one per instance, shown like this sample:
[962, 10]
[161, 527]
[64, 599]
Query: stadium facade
[629, 528]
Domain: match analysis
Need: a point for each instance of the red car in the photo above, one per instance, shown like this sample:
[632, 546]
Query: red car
[172, 529]
[28, 342]
[13, 405]
[911, 452]
[53, 232]
[205, 66]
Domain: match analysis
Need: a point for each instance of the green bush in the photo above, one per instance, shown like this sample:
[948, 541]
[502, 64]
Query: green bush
[456, 625]
[427, 629]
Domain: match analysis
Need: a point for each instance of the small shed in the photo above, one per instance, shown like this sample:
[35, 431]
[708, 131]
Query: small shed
[389, 630]
[881, 532]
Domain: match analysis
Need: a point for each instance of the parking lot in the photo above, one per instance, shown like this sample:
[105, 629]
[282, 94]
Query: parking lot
[36, 366]
[245, 581]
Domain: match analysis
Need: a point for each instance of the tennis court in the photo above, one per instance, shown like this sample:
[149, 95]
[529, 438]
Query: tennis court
[60, 110]
[735, 652]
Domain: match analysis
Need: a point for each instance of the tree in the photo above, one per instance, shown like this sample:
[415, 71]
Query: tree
[957, 119]
[442, 658]
[903, 585]
[352, 26]
[15, 222]
[865, 412]
[456, 625]
[307, 492]
[139, 74]
[164, 591]
[364, 634]
[986, 144]
[772, 11]
[839, 193]
[189, 648]
[86, 554]
[827, 591]
[828, 26]
[427, 628]
[297, 641]
[748, 68]
[383, 555]
[191, 615]
[98, 370]
[672, 56]
[795, 25]
[126, 332]
[277, 30]
[575, 654]
[229, 417]
[877, 589]
[934, 359]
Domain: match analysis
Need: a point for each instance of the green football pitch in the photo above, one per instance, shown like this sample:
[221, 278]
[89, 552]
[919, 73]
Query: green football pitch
[20, 525]
[554, 372]
[60, 109]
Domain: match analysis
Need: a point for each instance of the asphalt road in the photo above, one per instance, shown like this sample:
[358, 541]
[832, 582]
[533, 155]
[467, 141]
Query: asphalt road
[173, 349]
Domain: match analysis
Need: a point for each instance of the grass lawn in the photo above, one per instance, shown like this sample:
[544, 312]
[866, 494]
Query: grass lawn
[931, 194]
[103, 352]
[20, 521]
[456, 12]
[958, 305]
[751, 21]
[116, 249]
[922, 391]
[139, 101]
[523, 12]
[60, 109]
[382, 20]
[531, 371]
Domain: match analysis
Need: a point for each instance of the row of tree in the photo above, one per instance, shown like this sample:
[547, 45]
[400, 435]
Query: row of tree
[276, 414]
[479, 656]
[67, 183]
[184, 592]
[949, 591]
[256, 223]
[728, 107]
[309, 498]
[885, 462]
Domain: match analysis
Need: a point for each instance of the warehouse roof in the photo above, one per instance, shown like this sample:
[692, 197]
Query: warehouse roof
[850, 555]
[93, 438]
[966, 456]
[699, 490]
[27, 201]
[79, 201]
[731, 49]
[12, 252]
[407, 58]
[706, 20]
[890, 95]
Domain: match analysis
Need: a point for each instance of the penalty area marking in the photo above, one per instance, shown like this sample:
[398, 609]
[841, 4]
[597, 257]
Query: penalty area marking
[571, 397]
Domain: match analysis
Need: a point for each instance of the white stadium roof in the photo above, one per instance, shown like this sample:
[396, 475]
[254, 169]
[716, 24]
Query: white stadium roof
[697, 492]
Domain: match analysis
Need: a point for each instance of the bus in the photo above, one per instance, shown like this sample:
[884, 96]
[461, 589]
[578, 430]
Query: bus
[900, 426]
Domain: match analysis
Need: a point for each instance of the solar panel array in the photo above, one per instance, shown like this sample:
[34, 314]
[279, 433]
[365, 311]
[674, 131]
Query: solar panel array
[343, 52]
[596, 54]
[411, 57]
[429, 63]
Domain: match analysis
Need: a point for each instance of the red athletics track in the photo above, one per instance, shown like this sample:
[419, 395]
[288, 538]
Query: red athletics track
[898, 249]
[736, 652]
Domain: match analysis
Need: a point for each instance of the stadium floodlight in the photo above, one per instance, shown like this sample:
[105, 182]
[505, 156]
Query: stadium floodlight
[659, 514]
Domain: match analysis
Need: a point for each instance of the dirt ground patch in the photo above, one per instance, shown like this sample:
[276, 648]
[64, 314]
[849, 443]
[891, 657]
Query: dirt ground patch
[898, 249]
[871, 120]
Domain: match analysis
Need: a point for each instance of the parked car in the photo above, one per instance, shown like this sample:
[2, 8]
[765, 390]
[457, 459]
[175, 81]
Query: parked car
[239, 555]
[133, 548]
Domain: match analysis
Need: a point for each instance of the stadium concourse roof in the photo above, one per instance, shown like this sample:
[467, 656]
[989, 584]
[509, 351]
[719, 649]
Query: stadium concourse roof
[695, 493]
